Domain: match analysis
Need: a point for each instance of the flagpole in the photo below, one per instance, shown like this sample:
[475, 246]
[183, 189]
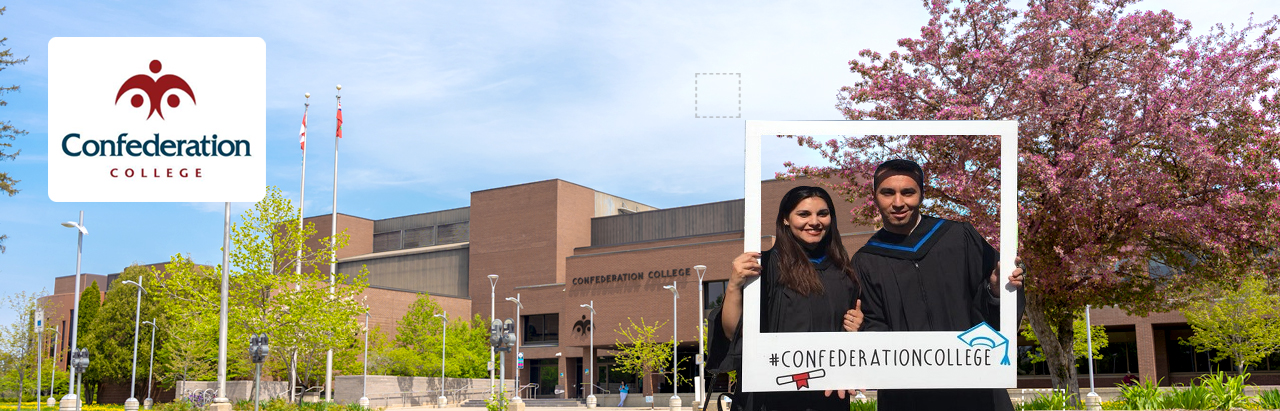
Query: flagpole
[302, 202]
[302, 196]
[333, 234]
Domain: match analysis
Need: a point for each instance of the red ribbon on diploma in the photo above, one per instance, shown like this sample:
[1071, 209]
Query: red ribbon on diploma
[802, 379]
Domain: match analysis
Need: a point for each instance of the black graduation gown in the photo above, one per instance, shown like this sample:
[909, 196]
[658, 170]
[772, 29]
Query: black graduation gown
[936, 279]
[784, 310]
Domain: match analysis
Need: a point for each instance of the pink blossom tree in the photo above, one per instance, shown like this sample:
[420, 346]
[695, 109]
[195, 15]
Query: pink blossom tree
[1147, 156]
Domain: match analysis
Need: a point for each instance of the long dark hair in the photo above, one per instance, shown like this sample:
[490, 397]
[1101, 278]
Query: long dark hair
[796, 271]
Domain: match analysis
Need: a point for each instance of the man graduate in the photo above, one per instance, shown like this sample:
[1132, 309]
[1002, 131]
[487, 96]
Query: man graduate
[921, 273]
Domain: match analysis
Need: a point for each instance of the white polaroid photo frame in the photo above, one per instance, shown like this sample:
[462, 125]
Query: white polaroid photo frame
[877, 360]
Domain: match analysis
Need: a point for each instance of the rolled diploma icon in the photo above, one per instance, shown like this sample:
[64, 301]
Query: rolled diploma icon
[801, 379]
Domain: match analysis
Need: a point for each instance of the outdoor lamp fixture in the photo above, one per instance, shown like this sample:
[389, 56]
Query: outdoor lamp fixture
[259, 348]
[146, 404]
[131, 404]
[675, 295]
[57, 331]
[71, 401]
[364, 382]
[698, 387]
[1091, 398]
[519, 358]
[493, 285]
[591, 384]
[444, 318]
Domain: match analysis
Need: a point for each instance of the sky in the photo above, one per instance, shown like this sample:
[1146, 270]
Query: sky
[441, 99]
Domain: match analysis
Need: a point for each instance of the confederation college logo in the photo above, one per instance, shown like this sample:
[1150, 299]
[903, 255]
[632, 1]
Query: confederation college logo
[155, 89]
[157, 119]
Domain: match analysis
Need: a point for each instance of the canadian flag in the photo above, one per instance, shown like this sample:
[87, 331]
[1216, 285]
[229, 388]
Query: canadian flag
[302, 134]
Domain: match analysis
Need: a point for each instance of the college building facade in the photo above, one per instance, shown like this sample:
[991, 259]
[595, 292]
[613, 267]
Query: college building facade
[557, 245]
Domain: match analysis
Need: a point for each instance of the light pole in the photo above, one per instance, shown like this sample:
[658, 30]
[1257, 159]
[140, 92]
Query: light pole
[1092, 400]
[131, 404]
[675, 340]
[71, 401]
[591, 324]
[146, 404]
[364, 383]
[444, 327]
[519, 306]
[220, 401]
[493, 285]
[698, 385]
[57, 332]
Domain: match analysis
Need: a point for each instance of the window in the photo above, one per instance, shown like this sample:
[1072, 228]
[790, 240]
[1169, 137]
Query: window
[713, 294]
[541, 329]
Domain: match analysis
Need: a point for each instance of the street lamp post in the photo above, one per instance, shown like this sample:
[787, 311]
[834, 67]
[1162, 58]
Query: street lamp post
[519, 306]
[364, 383]
[70, 401]
[57, 332]
[675, 340]
[591, 350]
[220, 401]
[493, 286]
[131, 404]
[698, 386]
[444, 339]
[1092, 400]
[146, 404]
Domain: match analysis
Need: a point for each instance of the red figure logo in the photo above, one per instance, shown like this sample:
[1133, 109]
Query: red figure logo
[155, 89]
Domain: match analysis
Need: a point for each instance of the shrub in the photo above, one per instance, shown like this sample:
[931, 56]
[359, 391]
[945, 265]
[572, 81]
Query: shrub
[1192, 397]
[1055, 400]
[1144, 395]
[1226, 392]
[862, 405]
[1269, 399]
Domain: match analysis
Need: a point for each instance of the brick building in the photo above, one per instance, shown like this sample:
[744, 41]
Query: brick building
[558, 245]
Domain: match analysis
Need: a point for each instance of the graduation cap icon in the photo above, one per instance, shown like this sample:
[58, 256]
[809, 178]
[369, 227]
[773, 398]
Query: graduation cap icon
[982, 335]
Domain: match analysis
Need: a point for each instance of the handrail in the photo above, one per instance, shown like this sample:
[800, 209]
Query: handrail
[535, 386]
[606, 391]
[455, 394]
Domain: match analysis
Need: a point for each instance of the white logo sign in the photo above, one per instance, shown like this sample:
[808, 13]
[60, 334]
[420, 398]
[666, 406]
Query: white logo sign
[157, 119]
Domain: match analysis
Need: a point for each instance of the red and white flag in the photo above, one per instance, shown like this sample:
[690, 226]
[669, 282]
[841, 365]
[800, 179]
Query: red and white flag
[339, 118]
[302, 134]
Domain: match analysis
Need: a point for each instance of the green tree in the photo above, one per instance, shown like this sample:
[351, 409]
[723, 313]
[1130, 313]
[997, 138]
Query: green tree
[110, 338]
[1242, 324]
[1081, 347]
[188, 352]
[7, 130]
[298, 309]
[90, 305]
[17, 346]
[416, 348]
[642, 353]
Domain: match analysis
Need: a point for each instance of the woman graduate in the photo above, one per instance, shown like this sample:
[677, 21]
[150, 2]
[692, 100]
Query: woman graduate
[807, 285]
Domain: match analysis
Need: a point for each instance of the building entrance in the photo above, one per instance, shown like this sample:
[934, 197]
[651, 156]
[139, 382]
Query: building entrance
[545, 373]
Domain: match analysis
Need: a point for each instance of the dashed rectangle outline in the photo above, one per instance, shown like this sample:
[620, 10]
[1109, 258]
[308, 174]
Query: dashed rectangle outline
[695, 94]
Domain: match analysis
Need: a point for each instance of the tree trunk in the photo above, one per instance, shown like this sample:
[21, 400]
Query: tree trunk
[1058, 346]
